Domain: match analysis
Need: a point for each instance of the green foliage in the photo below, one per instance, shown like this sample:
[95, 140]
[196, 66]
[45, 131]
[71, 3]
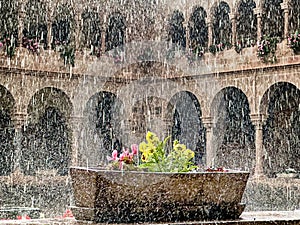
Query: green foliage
[67, 53]
[294, 41]
[266, 49]
[155, 158]
[10, 50]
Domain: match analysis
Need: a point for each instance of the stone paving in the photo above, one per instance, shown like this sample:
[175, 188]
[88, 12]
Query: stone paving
[247, 218]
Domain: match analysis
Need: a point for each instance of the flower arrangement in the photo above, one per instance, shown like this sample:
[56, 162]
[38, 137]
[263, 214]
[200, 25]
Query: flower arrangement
[266, 49]
[31, 44]
[294, 41]
[155, 157]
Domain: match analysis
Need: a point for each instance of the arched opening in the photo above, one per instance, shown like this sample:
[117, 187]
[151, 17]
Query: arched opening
[9, 25]
[233, 131]
[294, 16]
[102, 133]
[7, 132]
[176, 30]
[115, 33]
[63, 25]
[273, 19]
[246, 24]
[222, 27]
[35, 26]
[198, 29]
[91, 30]
[281, 135]
[46, 142]
[187, 126]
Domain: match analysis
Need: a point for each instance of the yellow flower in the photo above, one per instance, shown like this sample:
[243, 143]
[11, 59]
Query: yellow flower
[152, 138]
[189, 153]
[179, 147]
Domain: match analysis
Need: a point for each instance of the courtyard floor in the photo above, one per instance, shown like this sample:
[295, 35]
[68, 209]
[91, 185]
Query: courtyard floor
[247, 218]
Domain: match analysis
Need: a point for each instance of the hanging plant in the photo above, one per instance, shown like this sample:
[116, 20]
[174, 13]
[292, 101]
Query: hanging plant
[32, 44]
[266, 49]
[294, 41]
[67, 53]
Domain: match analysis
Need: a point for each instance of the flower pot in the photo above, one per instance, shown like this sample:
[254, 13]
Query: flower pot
[130, 196]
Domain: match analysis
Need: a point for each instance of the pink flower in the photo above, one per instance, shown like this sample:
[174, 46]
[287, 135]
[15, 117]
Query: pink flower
[122, 156]
[115, 155]
[1, 44]
[134, 149]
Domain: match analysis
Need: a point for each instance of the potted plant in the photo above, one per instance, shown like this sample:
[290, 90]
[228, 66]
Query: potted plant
[159, 186]
[266, 49]
[294, 42]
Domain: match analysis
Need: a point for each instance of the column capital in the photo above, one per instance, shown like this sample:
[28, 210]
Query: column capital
[76, 120]
[232, 16]
[207, 122]
[258, 120]
[19, 119]
[208, 21]
[284, 6]
[258, 12]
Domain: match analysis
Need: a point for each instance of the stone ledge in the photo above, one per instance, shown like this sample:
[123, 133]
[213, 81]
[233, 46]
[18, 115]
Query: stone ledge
[247, 218]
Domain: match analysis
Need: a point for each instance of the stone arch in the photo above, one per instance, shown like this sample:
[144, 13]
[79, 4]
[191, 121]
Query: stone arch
[272, 18]
[294, 14]
[91, 29]
[176, 30]
[63, 24]
[233, 131]
[46, 137]
[35, 26]
[115, 32]
[281, 130]
[198, 28]
[184, 113]
[246, 24]
[7, 148]
[102, 128]
[221, 24]
[9, 21]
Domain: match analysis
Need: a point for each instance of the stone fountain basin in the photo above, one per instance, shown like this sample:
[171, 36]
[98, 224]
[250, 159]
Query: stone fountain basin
[130, 196]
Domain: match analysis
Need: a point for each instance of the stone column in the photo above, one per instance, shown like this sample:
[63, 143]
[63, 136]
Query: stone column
[49, 34]
[78, 29]
[285, 8]
[258, 13]
[210, 152]
[19, 119]
[103, 35]
[22, 15]
[258, 121]
[210, 32]
[187, 34]
[76, 125]
[233, 23]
